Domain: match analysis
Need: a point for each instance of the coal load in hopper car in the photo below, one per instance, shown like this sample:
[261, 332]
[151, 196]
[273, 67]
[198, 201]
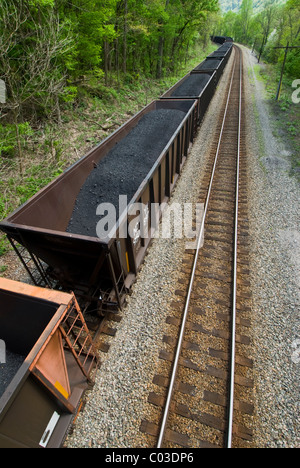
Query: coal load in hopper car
[226, 46]
[223, 55]
[100, 271]
[212, 64]
[123, 169]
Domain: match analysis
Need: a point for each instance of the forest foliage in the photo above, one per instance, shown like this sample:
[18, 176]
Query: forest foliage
[277, 24]
[235, 5]
[54, 53]
[50, 48]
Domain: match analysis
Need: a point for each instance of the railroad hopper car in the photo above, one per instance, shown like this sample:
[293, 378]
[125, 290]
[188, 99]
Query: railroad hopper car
[222, 53]
[221, 39]
[212, 64]
[199, 85]
[44, 373]
[57, 253]
[226, 46]
[101, 270]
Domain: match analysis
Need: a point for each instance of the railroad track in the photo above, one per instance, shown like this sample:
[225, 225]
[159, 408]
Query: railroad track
[204, 387]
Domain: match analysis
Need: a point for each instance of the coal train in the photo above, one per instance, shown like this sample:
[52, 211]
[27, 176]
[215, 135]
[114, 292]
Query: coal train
[100, 270]
[221, 39]
[81, 233]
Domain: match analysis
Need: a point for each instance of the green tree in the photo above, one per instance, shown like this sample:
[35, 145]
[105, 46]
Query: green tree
[54, 51]
[33, 44]
[274, 25]
[246, 15]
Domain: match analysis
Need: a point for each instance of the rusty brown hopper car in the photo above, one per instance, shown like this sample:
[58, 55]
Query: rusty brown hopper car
[97, 269]
[48, 361]
[223, 53]
[222, 40]
[200, 85]
[227, 46]
[212, 64]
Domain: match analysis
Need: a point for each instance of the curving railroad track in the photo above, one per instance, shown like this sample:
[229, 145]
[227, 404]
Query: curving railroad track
[205, 385]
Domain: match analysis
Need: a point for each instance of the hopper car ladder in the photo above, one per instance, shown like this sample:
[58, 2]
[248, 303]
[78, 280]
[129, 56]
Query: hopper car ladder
[79, 341]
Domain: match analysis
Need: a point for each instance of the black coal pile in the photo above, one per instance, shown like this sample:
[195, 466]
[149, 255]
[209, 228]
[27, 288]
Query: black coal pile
[192, 86]
[219, 54]
[124, 168]
[226, 46]
[209, 65]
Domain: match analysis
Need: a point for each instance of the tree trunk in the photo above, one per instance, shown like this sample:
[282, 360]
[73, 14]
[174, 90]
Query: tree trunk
[117, 61]
[161, 46]
[160, 57]
[19, 148]
[125, 37]
[58, 112]
[106, 54]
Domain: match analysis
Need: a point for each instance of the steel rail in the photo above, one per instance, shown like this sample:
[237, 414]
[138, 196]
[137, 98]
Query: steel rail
[234, 292]
[185, 313]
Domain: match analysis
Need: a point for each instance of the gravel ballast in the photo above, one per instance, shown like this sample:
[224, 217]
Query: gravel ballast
[124, 168]
[275, 268]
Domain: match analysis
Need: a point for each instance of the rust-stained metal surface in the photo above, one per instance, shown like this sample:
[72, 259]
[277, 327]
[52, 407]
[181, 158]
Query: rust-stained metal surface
[218, 60]
[39, 398]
